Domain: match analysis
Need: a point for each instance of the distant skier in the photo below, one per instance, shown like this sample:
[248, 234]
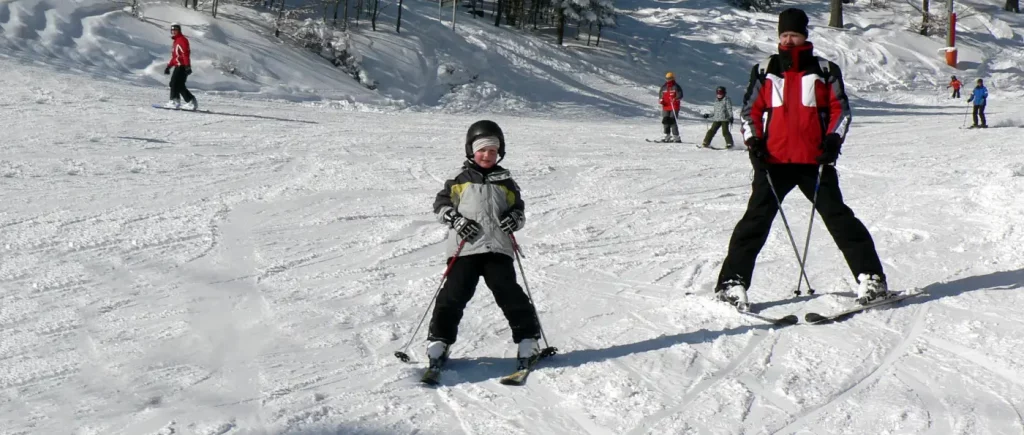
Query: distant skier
[979, 97]
[955, 84]
[483, 207]
[720, 116]
[182, 64]
[808, 115]
[670, 96]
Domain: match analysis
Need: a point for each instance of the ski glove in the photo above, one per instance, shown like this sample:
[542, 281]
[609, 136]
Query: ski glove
[758, 151]
[512, 221]
[466, 228]
[188, 70]
[706, 116]
[167, 71]
[830, 149]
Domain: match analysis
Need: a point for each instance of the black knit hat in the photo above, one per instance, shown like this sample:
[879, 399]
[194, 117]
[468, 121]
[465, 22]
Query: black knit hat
[793, 20]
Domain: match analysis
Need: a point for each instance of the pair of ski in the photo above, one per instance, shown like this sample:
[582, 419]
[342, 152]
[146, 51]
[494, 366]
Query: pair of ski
[813, 318]
[432, 375]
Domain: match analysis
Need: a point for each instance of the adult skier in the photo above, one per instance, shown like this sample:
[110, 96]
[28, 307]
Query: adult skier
[808, 115]
[182, 66]
[979, 97]
[670, 96]
[720, 116]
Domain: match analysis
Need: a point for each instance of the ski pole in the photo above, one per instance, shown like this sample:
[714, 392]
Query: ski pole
[548, 350]
[785, 222]
[675, 117]
[810, 226]
[400, 354]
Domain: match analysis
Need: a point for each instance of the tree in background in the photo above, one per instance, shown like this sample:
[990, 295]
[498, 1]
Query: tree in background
[836, 16]
[1012, 6]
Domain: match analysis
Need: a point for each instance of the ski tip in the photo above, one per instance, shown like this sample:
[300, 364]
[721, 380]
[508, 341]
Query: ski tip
[791, 319]
[814, 317]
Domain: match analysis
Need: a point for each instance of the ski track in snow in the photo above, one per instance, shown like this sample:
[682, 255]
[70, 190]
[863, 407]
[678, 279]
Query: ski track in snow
[243, 272]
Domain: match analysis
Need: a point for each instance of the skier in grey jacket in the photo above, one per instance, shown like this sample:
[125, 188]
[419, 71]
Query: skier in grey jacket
[721, 116]
[482, 207]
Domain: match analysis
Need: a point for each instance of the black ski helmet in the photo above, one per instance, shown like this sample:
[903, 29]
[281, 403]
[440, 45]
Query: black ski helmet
[484, 128]
[720, 90]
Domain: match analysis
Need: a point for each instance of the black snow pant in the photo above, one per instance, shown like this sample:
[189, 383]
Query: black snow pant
[668, 121]
[178, 89]
[979, 112]
[956, 93]
[751, 232]
[714, 130]
[498, 271]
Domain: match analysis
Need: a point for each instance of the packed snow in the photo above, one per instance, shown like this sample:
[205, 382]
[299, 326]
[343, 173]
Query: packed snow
[253, 270]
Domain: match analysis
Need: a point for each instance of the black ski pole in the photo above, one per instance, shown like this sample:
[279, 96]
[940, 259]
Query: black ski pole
[810, 226]
[400, 354]
[548, 350]
[788, 231]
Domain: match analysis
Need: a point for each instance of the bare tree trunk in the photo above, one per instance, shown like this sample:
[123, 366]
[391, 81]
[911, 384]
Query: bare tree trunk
[345, 19]
[398, 23]
[373, 18]
[498, 8]
[836, 19]
[590, 31]
[1012, 6]
[561, 25]
[280, 16]
[598, 43]
[925, 17]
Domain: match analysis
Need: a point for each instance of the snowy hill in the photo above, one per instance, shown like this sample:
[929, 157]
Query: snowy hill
[483, 68]
[253, 270]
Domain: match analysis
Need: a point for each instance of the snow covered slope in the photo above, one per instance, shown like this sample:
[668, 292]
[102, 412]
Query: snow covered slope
[253, 270]
[481, 68]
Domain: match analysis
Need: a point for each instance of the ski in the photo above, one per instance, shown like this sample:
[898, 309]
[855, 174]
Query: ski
[893, 297]
[787, 320]
[661, 141]
[161, 106]
[432, 375]
[523, 370]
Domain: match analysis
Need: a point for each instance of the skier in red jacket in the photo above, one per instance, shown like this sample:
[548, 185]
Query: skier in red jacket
[182, 65]
[670, 96]
[795, 118]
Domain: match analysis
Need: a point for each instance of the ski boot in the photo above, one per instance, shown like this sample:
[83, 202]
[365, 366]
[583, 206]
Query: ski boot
[733, 292]
[872, 288]
[173, 104]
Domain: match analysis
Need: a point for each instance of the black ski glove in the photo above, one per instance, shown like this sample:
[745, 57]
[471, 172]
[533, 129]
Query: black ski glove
[512, 221]
[830, 149]
[188, 70]
[758, 153]
[706, 116]
[167, 71]
[466, 228]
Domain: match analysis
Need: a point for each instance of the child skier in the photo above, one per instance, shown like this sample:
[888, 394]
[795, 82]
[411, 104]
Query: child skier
[670, 96]
[721, 116]
[955, 84]
[483, 207]
[979, 97]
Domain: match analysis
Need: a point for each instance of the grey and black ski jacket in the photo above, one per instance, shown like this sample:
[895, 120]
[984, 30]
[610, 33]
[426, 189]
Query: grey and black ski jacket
[483, 198]
[722, 110]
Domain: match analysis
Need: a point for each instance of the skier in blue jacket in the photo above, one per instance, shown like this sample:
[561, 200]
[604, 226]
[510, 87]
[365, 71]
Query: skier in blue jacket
[979, 97]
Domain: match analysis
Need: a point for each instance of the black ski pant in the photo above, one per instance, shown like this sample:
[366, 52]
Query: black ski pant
[956, 93]
[178, 89]
[979, 112]
[714, 130]
[668, 121]
[751, 232]
[499, 273]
